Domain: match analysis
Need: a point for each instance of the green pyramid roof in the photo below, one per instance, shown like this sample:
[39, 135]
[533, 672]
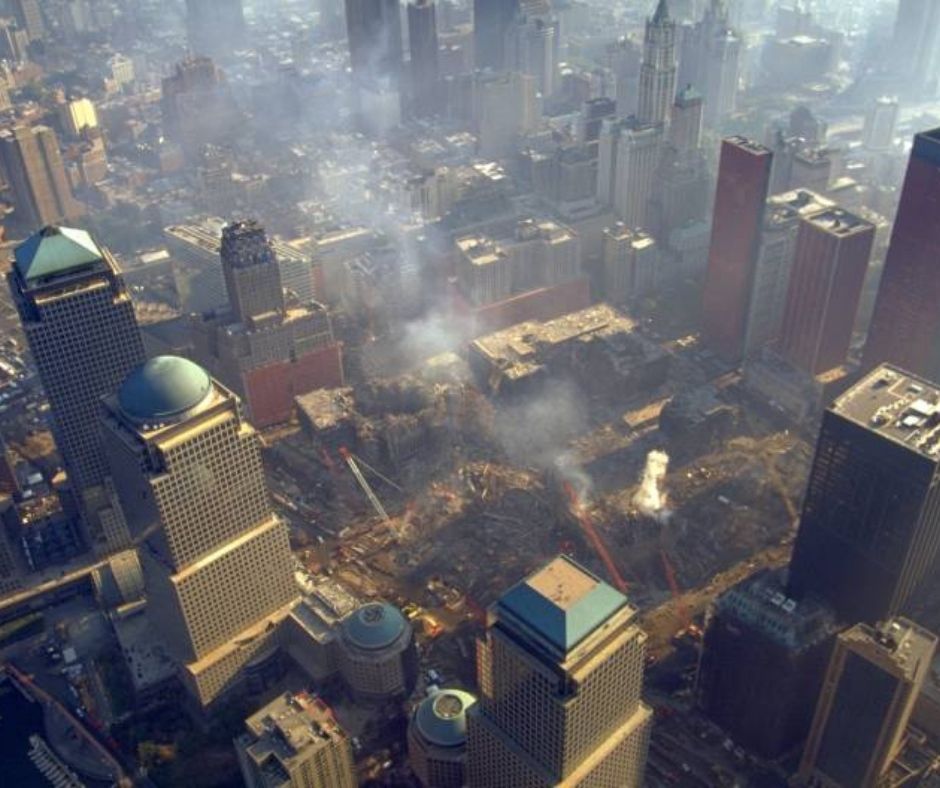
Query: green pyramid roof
[55, 250]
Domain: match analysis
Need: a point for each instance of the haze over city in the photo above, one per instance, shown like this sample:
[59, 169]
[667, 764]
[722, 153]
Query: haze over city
[469, 393]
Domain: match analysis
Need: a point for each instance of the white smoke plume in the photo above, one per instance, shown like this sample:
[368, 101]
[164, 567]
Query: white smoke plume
[651, 498]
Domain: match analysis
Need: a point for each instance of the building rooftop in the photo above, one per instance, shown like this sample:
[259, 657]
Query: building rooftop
[840, 222]
[287, 729]
[899, 645]
[896, 405]
[749, 145]
[374, 626]
[441, 718]
[54, 251]
[163, 389]
[562, 603]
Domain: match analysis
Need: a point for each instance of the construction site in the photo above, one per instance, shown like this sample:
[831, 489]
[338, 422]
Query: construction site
[436, 491]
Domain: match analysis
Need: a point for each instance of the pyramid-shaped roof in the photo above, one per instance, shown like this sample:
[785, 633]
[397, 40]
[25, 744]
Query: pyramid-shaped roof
[55, 250]
[562, 603]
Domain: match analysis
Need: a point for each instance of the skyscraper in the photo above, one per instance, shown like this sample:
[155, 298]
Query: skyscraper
[560, 673]
[373, 28]
[532, 44]
[629, 155]
[915, 43]
[437, 739]
[29, 17]
[870, 524]
[216, 559]
[659, 67]
[491, 19]
[685, 131]
[832, 252]
[881, 121]
[874, 678]
[740, 202]
[423, 43]
[905, 326]
[80, 325]
[295, 742]
[215, 28]
[33, 162]
[710, 58]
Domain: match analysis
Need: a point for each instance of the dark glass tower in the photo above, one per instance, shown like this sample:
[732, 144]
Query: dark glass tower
[491, 18]
[871, 517]
[905, 327]
[373, 28]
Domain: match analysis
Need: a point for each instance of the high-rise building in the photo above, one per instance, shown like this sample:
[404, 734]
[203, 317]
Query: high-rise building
[215, 28]
[80, 325]
[881, 121]
[295, 742]
[216, 559]
[197, 105]
[763, 661]
[832, 252]
[373, 28]
[628, 159]
[659, 68]
[505, 106]
[425, 70]
[265, 348]
[870, 524]
[685, 131]
[874, 678]
[631, 264]
[437, 739]
[740, 204]
[560, 674]
[29, 17]
[532, 44]
[491, 19]
[775, 263]
[32, 161]
[914, 47]
[710, 60]
[905, 326]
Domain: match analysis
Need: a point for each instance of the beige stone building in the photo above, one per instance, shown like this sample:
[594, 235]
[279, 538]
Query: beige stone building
[560, 673]
[216, 559]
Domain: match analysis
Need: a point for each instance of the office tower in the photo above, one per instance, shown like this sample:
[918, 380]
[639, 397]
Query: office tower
[871, 516]
[532, 44]
[593, 114]
[905, 326]
[215, 28]
[628, 159]
[80, 325]
[216, 559]
[775, 263]
[659, 67]
[832, 252]
[560, 673]
[197, 105]
[14, 41]
[631, 264]
[505, 106]
[437, 739]
[29, 17]
[264, 348]
[710, 60]
[373, 28]
[295, 742]
[32, 161]
[491, 19]
[874, 678]
[685, 131]
[423, 43]
[77, 116]
[763, 660]
[915, 43]
[740, 203]
[881, 121]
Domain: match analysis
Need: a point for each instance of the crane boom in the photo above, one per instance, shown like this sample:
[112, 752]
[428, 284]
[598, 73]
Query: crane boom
[366, 488]
[595, 540]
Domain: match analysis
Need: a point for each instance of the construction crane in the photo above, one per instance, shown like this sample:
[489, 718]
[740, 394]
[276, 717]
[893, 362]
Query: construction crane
[594, 539]
[682, 612]
[366, 487]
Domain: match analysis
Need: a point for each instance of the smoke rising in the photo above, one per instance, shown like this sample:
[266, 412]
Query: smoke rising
[651, 498]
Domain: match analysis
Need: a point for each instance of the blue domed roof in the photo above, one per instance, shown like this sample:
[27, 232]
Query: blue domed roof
[374, 625]
[442, 717]
[162, 389]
